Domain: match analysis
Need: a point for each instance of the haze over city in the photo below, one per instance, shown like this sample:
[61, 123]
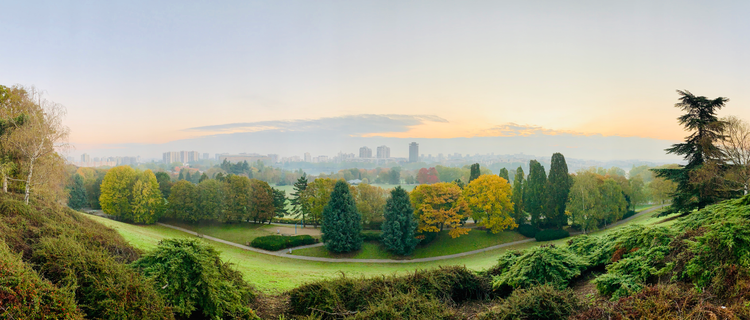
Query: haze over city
[591, 80]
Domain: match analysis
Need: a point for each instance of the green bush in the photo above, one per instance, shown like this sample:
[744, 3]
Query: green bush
[26, 295]
[540, 302]
[546, 264]
[551, 234]
[370, 235]
[528, 230]
[405, 306]
[287, 220]
[191, 276]
[628, 214]
[344, 295]
[277, 242]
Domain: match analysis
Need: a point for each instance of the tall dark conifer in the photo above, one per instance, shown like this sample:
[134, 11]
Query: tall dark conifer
[519, 209]
[299, 209]
[399, 225]
[341, 225]
[534, 192]
[557, 190]
[504, 174]
[474, 172]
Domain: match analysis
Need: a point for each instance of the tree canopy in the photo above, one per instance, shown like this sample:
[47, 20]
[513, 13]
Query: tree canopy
[488, 197]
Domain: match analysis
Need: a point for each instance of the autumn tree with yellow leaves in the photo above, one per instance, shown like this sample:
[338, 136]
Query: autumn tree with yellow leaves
[438, 206]
[488, 197]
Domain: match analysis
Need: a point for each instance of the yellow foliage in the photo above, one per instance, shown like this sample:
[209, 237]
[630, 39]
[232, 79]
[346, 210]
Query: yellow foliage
[489, 199]
[438, 206]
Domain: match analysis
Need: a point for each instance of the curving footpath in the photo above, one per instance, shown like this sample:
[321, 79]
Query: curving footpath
[283, 253]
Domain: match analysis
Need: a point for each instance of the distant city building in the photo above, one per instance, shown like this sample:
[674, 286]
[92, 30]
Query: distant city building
[414, 152]
[182, 156]
[205, 156]
[249, 157]
[171, 157]
[274, 158]
[365, 152]
[384, 152]
[320, 159]
[85, 158]
[308, 158]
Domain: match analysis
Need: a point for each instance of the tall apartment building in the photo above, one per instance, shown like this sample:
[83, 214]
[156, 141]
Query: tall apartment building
[205, 156]
[384, 152]
[414, 152]
[171, 156]
[274, 158]
[85, 158]
[365, 152]
[308, 158]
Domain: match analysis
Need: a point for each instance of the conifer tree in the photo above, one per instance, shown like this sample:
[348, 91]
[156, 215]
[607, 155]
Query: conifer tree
[534, 192]
[557, 190]
[341, 222]
[399, 225]
[504, 174]
[519, 209]
[203, 177]
[474, 172]
[182, 175]
[77, 197]
[299, 205]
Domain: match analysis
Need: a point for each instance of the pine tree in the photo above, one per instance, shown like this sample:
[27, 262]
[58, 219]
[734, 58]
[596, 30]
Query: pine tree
[341, 222]
[299, 207]
[182, 175]
[504, 174]
[534, 192]
[399, 225]
[474, 172]
[203, 177]
[558, 188]
[77, 197]
[519, 213]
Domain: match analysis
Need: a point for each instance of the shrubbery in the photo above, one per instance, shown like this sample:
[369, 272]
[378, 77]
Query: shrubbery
[551, 234]
[286, 220]
[537, 266]
[406, 306]
[528, 230]
[277, 242]
[191, 276]
[540, 302]
[345, 295]
[370, 235]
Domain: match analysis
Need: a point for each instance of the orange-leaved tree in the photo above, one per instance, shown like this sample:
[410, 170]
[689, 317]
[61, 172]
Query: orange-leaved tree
[488, 197]
[438, 206]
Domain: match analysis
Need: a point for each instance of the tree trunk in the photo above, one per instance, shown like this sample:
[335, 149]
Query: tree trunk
[5, 183]
[28, 181]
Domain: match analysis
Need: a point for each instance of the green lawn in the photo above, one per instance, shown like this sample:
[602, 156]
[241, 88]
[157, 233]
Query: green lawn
[241, 233]
[442, 246]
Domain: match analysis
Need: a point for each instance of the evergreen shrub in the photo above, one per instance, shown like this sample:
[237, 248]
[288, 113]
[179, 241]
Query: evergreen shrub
[551, 234]
[546, 264]
[528, 230]
[540, 302]
[370, 235]
[277, 242]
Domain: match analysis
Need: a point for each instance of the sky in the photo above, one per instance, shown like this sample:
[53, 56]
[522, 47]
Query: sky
[145, 76]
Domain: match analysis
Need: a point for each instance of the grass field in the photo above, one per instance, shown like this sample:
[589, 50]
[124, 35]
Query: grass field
[241, 233]
[442, 246]
[274, 274]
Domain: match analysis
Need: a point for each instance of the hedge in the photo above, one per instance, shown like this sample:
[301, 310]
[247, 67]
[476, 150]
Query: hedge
[286, 220]
[276, 242]
[551, 234]
[528, 230]
[370, 235]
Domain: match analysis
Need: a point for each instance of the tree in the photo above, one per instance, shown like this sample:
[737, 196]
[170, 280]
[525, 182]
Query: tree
[519, 210]
[488, 198]
[188, 177]
[165, 183]
[203, 177]
[735, 148]
[184, 202]
[210, 200]
[116, 191]
[341, 226]
[504, 174]
[661, 189]
[427, 176]
[279, 203]
[317, 195]
[557, 189]
[394, 175]
[613, 204]
[148, 203]
[474, 172]
[77, 198]
[399, 225]
[584, 201]
[698, 149]
[182, 175]
[438, 206]
[534, 192]
[261, 209]
[637, 194]
[36, 140]
[238, 199]
[298, 201]
[370, 201]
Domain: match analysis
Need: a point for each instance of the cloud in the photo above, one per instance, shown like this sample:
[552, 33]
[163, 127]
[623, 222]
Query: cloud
[352, 125]
[511, 129]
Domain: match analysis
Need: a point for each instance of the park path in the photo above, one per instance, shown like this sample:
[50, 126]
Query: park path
[284, 254]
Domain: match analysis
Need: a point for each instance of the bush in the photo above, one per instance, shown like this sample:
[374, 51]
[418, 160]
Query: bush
[628, 214]
[277, 242]
[528, 230]
[551, 234]
[190, 275]
[546, 264]
[405, 306]
[287, 220]
[343, 295]
[26, 295]
[370, 235]
[541, 302]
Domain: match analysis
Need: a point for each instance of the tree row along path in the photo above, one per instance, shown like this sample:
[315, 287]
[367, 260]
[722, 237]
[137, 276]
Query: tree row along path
[284, 254]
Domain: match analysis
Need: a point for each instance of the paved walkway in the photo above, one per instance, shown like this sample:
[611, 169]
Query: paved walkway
[284, 254]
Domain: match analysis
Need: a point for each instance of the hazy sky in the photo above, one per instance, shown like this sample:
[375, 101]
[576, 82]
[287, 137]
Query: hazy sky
[157, 71]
